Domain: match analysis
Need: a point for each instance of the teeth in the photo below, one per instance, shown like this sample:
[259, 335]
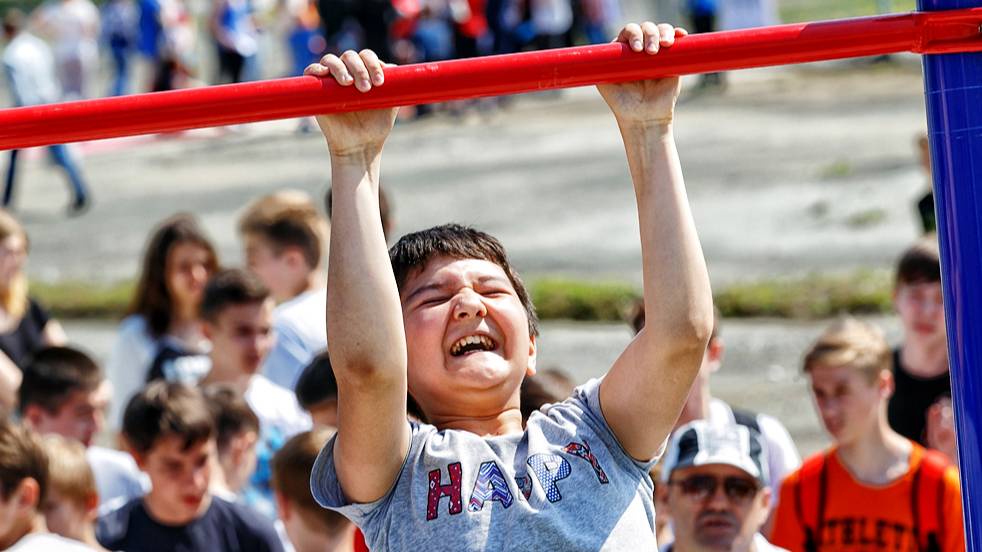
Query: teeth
[484, 341]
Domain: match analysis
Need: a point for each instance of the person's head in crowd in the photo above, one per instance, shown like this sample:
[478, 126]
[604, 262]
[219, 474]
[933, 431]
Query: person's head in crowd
[696, 405]
[546, 387]
[177, 262]
[14, 247]
[917, 295]
[285, 238]
[13, 23]
[385, 210]
[236, 435]
[64, 392]
[169, 430]
[849, 368]
[317, 391]
[309, 526]
[237, 312]
[712, 487]
[425, 264]
[23, 483]
[71, 500]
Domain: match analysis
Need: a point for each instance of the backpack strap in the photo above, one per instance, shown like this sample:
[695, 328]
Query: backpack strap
[746, 418]
[927, 500]
[810, 499]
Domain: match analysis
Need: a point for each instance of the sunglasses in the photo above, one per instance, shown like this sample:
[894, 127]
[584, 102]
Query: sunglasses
[701, 487]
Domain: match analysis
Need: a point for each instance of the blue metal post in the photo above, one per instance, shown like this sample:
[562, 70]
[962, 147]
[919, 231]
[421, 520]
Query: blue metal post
[953, 87]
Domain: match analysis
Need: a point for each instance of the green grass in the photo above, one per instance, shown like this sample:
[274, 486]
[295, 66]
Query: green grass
[793, 11]
[809, 297]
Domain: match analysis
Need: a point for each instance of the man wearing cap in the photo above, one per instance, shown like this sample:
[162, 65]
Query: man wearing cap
[714, 489]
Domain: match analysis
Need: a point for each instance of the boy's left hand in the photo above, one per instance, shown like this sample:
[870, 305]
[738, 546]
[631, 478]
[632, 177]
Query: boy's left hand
[647, 101]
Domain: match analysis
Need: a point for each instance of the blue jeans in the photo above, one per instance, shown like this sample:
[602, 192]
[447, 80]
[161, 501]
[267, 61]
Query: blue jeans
[63, 159]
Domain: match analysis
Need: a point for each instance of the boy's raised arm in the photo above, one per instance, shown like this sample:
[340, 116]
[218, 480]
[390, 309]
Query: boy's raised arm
[366, 340]
[643, 393]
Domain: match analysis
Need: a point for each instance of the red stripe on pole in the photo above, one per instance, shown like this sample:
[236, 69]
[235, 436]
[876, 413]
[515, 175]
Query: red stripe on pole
[936, 32]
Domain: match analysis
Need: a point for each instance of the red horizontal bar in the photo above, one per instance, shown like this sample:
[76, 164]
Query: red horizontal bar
[934, 32]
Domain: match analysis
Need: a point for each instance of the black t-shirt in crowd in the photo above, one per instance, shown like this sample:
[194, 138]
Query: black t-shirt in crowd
[225, 526]
[28, 337]
[913, 396]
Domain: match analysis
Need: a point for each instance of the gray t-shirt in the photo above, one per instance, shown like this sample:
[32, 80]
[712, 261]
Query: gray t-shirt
[563, 484]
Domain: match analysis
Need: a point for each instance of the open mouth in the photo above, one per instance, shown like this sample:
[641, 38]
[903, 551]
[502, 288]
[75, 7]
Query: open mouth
[472, 343]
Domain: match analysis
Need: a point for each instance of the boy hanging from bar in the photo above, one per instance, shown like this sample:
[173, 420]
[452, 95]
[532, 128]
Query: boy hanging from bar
[445, 316]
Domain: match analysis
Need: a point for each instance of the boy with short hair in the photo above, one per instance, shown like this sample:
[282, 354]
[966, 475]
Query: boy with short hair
[448, 318]
[284, 237]
[310, 527]
[170, 432]
[317, 391]
[23, 489]
[873, 490]
[236, 435]
[920, 363]
[237, 317]
[64, 392]
[71, 504]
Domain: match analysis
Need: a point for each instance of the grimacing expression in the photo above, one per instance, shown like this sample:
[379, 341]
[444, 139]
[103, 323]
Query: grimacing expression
[468, 336]
[723, 518]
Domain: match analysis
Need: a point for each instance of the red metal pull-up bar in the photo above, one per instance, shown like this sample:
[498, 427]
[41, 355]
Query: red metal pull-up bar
[923, 33]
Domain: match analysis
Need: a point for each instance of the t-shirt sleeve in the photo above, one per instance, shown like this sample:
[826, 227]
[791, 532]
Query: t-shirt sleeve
[39, 315]
[788, 532]
[587, 396]
[954, 530]
[326, 488]
[287, 358]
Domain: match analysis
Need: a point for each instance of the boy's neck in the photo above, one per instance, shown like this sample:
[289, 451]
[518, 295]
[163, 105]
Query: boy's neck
[697, 405]
[924, 360]
[164, 515]
[506, 422]
[880, 456]
[35, 524]
[313, 281]
[227, 375]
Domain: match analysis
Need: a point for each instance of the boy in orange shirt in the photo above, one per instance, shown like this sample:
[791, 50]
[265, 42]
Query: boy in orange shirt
[873, 489]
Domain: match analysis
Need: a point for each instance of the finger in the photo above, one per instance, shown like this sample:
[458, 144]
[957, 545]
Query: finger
[317, 70]
[632, 36]
[651, 37]
[336, 68]
[374, 67]
[356, 67]
[679, 31]
[667, 33]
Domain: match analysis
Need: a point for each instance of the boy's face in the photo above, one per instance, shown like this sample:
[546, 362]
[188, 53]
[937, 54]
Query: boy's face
[187, 273]
[276, 270]
[179, 478]
[921, 311]
[468, 337]
[717, 520]
[847, 401]
[80, 417]
[242, 335]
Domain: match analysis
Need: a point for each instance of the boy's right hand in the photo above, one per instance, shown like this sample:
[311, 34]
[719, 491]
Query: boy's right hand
[362, 131]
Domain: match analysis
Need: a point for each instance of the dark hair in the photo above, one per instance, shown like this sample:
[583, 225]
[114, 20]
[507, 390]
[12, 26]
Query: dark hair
[13, 21]
[637, 319]
[232, 286]
[316, 383]
[152, 300]
[547, 387]
[413, 251]
[291, 468]
[53, 373]
[920, 263]
[162, 409]
[384, 208]
[230, 412]
[21, 456]
[287, 219]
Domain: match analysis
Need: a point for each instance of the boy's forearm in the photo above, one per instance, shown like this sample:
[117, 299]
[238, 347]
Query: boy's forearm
[364, 312]
[677, 295]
